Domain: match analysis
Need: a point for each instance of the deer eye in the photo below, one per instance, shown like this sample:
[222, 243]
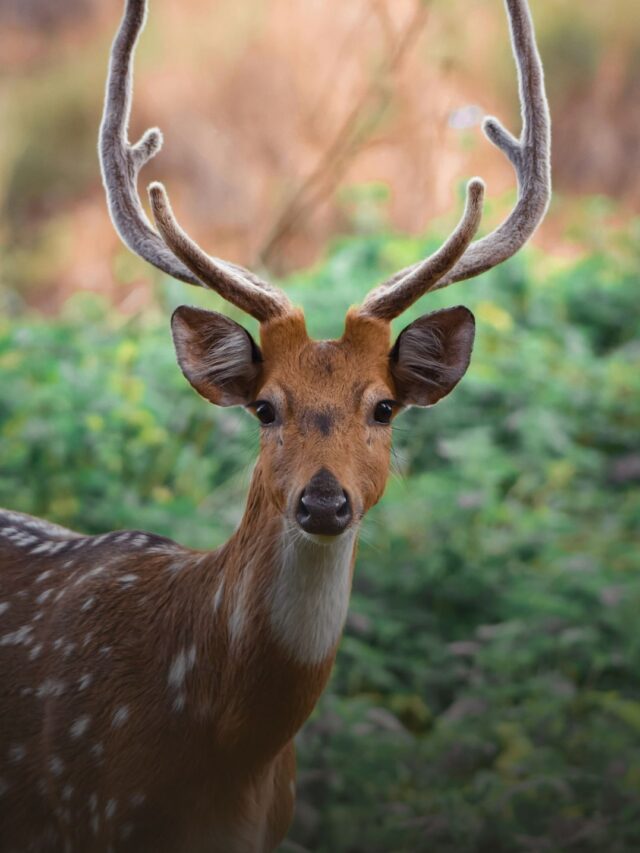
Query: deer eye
[265, 412]
[383, 412]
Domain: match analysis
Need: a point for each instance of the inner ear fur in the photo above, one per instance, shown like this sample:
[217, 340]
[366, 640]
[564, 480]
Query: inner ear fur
[431, 355]
[218, 357]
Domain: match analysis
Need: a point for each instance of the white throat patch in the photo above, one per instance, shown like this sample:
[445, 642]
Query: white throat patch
[310, 594]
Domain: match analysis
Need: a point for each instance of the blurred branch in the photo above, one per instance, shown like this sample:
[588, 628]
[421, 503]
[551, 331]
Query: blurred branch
[352, 134]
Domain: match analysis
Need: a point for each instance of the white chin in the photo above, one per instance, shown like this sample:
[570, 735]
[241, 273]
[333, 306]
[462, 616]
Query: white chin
[323, 539]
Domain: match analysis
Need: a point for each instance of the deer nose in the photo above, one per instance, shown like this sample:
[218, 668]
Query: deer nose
[324, 507]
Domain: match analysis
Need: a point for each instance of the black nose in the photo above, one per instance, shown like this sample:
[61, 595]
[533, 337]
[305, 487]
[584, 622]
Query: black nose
[324, 506]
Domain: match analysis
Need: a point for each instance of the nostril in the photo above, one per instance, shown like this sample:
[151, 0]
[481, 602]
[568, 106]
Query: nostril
[343, 510]
[304, 510]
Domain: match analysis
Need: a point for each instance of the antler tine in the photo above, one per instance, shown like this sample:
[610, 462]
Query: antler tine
[395, 296]
[120, 163]
[530, 157]
[221, 277]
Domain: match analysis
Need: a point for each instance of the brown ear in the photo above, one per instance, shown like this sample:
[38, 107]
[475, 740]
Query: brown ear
[431, 355]
[219, 358]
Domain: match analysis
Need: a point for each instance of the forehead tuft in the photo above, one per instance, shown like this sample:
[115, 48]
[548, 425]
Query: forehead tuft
[365, 340]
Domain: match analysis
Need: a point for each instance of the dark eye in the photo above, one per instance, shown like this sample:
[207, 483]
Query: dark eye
[383, 412]
[265, 412]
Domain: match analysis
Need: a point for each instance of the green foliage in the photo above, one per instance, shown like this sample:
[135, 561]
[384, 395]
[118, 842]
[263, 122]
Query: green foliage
[485, 696]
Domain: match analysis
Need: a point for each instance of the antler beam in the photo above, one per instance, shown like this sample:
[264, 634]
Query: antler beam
[530, 157]
[120, 162]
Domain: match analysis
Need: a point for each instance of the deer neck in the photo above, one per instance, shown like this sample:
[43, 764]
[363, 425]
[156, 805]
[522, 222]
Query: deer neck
[285, 584]
[284, 604]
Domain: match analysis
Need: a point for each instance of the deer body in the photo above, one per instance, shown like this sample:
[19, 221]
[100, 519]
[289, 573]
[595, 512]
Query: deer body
[150, 693]
[158, 689]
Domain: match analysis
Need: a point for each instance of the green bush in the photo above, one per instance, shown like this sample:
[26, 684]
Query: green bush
[486, 694]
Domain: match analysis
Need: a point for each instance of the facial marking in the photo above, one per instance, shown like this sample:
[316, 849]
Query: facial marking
[321, 420]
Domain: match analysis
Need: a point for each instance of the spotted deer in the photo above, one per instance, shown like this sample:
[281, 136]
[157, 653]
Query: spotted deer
[150, 692]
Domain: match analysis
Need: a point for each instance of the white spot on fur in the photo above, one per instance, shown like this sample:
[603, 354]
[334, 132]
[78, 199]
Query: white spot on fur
[19, 537]
[310, 594]
[39, 524]
[182, 663]
[68, 649]
[38, 616]
[217, 600]
[84, 681]
[239, 611]
[20, 637]
[179, 702]
[105, 650]
[127, 580]
[93, 802]
[92, 573]
[4, 606]
[87, 639]
[50, 687]
[95, 824]
[56, 766]
[175, 565]
[80, 726]
[17, 753]
[43, 576]
[120, 716]
[58, 643]
[44, 548]
[43, 596]
[110, 809]
[97, 750]
[35, 651]
[88, 603]
[67, 792]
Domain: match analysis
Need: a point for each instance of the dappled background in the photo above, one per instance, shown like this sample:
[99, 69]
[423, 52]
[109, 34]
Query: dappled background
[486, 696]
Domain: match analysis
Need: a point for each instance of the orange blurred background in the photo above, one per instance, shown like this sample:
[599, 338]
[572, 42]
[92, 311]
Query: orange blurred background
[287, 122]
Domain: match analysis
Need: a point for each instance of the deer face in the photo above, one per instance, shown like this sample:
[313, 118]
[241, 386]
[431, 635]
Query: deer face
[325, 407]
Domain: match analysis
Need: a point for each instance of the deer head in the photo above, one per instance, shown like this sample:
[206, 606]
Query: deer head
[325, 407]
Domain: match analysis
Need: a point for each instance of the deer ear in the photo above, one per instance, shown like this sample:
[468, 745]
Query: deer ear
[431, 355]
[219, 358]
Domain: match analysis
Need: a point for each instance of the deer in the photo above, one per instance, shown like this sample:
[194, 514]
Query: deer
[151, 692]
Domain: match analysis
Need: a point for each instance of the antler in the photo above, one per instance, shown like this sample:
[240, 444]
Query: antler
[530, 157]
[121, 162]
